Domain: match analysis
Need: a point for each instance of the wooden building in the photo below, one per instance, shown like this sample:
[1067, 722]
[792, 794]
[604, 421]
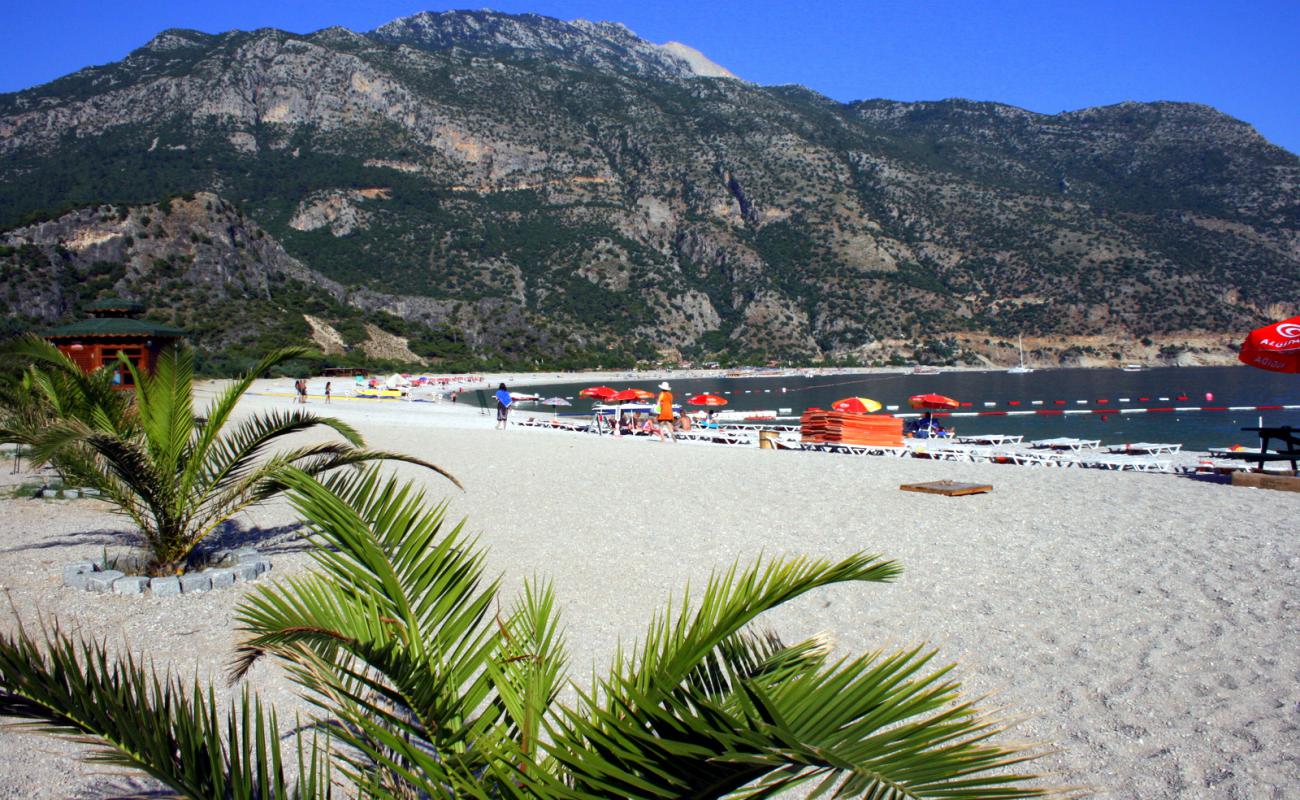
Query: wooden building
[113, 328]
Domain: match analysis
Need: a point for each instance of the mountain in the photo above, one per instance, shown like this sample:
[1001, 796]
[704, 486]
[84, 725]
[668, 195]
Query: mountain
[541, 191]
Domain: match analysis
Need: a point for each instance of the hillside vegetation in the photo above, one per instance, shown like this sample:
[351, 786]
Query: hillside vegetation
[531, 191]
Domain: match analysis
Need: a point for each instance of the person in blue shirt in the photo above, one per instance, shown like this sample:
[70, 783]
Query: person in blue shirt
[503, 406]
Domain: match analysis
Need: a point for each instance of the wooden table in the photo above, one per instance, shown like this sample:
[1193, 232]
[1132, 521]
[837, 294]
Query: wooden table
[1288, 447]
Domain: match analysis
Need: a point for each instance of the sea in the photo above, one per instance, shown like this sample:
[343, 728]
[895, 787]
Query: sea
[1106, 390]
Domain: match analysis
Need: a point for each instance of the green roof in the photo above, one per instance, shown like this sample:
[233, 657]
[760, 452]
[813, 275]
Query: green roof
[115, 304]
[114, 326]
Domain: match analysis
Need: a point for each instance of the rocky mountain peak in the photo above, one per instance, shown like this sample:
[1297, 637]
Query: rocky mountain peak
[605, 45]
[176, 39]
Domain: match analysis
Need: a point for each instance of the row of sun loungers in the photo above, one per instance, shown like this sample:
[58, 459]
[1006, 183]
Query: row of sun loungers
[1019, 455]
[1062, 452]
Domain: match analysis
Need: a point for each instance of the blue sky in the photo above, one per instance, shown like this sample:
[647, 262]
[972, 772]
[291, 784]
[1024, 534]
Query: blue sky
[1047, 56]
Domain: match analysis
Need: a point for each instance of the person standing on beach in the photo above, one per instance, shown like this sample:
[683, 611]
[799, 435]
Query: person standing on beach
[665, 416]
[503, 406]
[327, 392]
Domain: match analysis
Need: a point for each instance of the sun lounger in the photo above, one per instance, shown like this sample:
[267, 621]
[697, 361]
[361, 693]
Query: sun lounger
[1146, 448]
[994, 439]
[1130, 463]
[1066, 443]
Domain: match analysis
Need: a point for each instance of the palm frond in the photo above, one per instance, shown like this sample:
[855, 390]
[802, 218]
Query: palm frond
[675, 645]
[704, 709]
[397, 611]
[527, 668]
[164, 399]
[219, 412]
[135, 719]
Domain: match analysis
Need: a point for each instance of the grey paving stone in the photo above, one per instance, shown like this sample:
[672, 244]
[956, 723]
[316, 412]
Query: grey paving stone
[131, 584]
[102, 581]
[247, 554]
[196, 583]
[79, 566]
[263, 565]
[245, 572]
[221, 578]
[71, 494]
[165, 587]
[76, 580]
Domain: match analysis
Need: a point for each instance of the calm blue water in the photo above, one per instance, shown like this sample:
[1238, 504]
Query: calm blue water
[1230, 386]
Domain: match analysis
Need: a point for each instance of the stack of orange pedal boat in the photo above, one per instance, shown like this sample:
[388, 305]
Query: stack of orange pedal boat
[838, 427]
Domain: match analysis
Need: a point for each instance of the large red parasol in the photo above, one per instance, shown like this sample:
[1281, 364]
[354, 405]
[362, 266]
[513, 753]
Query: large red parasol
[856, 405]
[710, 400]
[598, 393]
[932, 402]
[628, 395]
[1273, 347]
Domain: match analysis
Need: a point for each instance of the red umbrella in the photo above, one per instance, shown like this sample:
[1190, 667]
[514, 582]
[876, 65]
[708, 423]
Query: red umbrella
[1273, 347]
[932, 402]
[627, 395]
[856, 405]
[711, 400]
[598, 393]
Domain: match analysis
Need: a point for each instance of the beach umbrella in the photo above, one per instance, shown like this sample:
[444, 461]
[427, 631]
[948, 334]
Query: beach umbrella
[1273, 347]
[709, 400]
[932, 402]
[555, 401]
[856, 405]
[597, 393]
[627, 396]
[642, 394]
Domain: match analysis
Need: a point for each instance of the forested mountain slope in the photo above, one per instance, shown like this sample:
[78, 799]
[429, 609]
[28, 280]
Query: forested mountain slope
[536, 189]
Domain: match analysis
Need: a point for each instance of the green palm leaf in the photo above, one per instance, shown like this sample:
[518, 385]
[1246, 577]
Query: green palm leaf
[137, 720]
[745, 714]
[394, 627]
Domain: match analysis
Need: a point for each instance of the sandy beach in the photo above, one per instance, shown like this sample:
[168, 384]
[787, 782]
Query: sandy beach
[1145, 626]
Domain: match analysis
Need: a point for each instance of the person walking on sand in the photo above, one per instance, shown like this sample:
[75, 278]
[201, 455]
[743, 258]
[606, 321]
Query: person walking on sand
[665, 415]
[327, 392]
[503, 406]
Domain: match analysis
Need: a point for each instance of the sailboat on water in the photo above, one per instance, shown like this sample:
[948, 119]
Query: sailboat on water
[1021, 369]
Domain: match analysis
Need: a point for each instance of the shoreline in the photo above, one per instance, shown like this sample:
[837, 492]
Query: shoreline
[596, 377]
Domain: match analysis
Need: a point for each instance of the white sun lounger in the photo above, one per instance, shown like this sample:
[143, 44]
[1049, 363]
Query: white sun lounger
[1066, 443]
[1146, 448]
[1130, 463]
[994, 439]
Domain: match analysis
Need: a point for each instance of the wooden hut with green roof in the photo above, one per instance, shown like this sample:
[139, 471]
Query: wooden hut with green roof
[113, 328]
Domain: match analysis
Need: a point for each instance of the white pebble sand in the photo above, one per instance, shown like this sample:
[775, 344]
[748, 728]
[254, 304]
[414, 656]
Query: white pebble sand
[1145, 625]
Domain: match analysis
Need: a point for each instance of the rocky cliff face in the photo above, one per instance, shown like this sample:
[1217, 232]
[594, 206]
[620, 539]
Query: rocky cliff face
[541, 187]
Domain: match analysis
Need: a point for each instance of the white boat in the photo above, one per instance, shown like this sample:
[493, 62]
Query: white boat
[1021, 369]
[926, 370]
[1133, 368]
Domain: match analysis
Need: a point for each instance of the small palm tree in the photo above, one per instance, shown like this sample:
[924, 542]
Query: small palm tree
[429, 689]
[178, 476]
[32, 399]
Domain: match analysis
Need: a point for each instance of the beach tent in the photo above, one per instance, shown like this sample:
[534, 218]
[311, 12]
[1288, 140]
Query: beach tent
[1273, 347]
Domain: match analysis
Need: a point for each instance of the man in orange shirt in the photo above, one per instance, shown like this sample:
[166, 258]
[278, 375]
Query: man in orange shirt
[665, 404]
